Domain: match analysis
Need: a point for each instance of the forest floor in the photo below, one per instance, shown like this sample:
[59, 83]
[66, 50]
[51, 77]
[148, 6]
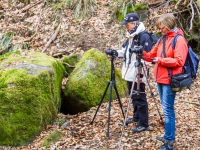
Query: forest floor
[36, 25]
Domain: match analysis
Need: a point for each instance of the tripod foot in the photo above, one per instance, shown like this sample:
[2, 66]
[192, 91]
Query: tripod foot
[124, 126]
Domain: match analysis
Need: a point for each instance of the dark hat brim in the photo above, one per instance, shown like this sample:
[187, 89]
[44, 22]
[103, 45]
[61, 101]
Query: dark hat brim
[123, 22]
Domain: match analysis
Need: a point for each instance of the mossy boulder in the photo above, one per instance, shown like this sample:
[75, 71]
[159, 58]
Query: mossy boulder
[88, 81]
[30, 89]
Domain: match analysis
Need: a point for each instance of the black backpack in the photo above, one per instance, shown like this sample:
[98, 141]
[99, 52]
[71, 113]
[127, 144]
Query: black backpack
[152, 36]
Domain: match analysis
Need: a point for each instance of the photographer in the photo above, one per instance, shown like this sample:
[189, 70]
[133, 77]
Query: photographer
[135, 38]
[164, 58]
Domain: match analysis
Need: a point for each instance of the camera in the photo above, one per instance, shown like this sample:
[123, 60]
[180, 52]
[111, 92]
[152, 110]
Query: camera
[137, 49]
[112, 52]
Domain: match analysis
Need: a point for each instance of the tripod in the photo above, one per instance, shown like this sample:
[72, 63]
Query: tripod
[139, 65]
[111, 83]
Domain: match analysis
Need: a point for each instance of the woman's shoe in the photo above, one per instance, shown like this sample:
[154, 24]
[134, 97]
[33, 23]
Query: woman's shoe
[167, 146]
[131, 120]
[139, 128]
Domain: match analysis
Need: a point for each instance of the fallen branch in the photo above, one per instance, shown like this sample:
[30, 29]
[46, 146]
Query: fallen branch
[25, 9]
[196, 103]
[68, 65]
[29, 39]
[52, 38]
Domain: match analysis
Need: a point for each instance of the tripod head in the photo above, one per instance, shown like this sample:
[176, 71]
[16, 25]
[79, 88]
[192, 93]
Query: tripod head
[113, 54]
[138, 50]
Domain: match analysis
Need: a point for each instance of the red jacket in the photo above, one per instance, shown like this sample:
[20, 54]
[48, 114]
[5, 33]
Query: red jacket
[174, 60]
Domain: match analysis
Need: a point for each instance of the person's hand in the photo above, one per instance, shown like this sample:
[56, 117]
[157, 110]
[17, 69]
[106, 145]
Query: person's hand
[155, 60]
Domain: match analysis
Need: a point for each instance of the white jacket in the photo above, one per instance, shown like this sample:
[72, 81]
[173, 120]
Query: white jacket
[129, 70]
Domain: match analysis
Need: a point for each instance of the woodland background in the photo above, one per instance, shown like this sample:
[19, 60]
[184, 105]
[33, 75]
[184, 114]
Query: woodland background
[63, 27]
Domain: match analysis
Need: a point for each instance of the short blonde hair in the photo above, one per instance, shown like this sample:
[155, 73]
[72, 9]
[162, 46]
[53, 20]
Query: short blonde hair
[168, 20]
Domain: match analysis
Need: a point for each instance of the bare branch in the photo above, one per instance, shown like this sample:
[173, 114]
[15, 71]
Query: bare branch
[52, 38]
[176, 6]
[27, 8]
[191, 20]
[197, 9]
[196, 103]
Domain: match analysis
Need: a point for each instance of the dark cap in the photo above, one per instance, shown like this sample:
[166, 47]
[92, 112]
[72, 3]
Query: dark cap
[129, 18]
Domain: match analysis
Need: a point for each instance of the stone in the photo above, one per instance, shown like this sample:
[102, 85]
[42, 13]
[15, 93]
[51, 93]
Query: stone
[88, 81]
[30, 96]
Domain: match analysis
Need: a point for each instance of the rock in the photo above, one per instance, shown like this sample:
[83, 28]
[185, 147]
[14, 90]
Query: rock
[66, 124]
[30, 96]
[88, 81]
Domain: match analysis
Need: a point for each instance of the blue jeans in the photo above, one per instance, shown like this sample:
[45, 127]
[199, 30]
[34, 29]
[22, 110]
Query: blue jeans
[167, 98]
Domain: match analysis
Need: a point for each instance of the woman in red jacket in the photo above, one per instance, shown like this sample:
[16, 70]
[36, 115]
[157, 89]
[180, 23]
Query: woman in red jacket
[174, 60]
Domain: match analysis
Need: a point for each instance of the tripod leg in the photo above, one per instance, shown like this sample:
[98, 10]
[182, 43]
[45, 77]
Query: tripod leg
[126, 116]
[102, 98]
[119, 99]
[109, 108]
[152, 93]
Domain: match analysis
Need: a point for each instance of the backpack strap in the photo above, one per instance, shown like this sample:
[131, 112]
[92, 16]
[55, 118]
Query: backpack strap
[160, 39]
[140, 35]
[174, 40]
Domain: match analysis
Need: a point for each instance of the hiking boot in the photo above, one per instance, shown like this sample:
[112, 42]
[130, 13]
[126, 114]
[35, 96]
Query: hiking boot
[160, 139]
[167, 146]
[139, 128]
[131, 120]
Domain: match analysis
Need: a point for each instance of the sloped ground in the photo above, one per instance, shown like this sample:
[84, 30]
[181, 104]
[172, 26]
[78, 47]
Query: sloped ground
[36, 27]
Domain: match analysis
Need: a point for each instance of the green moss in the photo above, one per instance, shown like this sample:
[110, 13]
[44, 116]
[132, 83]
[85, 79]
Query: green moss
[72, 61]
[6, 55]
[129, 8]
[140, 7]
[29, 100]
[89, 79]
[52, 138]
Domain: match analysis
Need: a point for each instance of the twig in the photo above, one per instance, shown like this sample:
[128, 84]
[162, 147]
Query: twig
[29, 39]
[197, 9]
[25, 9]
[52, 38]
[176, 6]
[172, 12]
[182, 27]
[196, 103]
[191, 24]
[68, 65]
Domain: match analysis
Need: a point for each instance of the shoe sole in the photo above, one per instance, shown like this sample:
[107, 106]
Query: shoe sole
[141, 130]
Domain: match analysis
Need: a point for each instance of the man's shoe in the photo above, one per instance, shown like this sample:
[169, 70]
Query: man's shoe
[167, 146]
[131, 120]
[160, 139]
[139, 129]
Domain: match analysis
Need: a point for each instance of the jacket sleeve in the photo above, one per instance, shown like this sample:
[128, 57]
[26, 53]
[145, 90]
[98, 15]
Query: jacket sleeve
[148, 55]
